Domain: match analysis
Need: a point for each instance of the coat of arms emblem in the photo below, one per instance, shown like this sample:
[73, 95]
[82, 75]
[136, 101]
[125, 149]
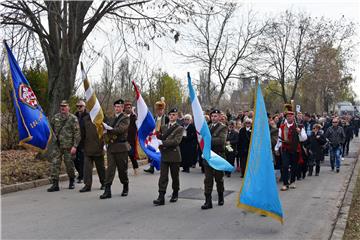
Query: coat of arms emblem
[27, 96]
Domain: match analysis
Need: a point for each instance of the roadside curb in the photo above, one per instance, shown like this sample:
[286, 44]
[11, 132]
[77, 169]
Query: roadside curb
[344, 208]
[41, 182]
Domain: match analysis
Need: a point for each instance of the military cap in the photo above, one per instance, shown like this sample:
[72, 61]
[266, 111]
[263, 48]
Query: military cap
[174, 110]
[215, 111]
[64, 103]
[119, 101]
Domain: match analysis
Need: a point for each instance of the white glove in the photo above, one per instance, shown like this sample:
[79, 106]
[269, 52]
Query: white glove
[107, 127]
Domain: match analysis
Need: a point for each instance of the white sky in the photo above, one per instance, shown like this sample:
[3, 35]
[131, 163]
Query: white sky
[332, 9]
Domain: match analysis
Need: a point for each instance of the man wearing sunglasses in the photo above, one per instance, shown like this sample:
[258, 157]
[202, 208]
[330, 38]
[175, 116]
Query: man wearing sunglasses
[79, 157]
[336, 136]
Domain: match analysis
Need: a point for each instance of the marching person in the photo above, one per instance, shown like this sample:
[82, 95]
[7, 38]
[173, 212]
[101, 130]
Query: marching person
[336, 136]
[170, 136]
[117, 149]
[132, 135]
[288, 142]
[188, 145]
[67, 131]
[316, 143]
[79, 157]
[94, 153]
[218, 140]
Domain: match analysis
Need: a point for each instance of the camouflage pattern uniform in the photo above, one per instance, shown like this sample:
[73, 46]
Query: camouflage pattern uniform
[67, 131]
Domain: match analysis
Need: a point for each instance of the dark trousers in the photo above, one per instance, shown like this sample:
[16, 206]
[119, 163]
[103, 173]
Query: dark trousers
[346, 146]
[243, 157]
[164, 176]
[79, 162]
[356, 131]
[210, 175]
[289, 159]
[314, 159]
[119, 161]
[88, 169]
[132, 156]
[230, 157]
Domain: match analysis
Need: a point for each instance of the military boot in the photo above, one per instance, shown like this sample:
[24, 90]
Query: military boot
[220, 198]
[125, 190]
[160, 200]
[174, 196]
[149, 170]
[54, 187]
[107, 193]
[71, 183]
[208, 202]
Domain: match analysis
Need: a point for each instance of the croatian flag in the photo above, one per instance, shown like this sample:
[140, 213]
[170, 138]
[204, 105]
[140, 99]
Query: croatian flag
[145, 124]
[204, 136]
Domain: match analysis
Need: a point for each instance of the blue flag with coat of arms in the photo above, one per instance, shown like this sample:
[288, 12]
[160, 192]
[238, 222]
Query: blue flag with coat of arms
[33, 126]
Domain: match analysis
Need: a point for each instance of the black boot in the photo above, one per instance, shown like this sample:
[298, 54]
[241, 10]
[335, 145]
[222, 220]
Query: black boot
[220, 198]
[125, 190]
[107, 193]
[310, 171]
[160, 200]
[208, 202]
[174, 196]
[54, 187]
[149, 170]
[71, 183]
[317, 170]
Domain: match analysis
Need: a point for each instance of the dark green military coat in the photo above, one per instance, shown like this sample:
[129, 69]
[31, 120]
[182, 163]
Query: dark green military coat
[117, 137]
[171, 138]
[218, 138]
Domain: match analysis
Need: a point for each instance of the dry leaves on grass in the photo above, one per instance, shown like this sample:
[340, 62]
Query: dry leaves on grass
[21, 166]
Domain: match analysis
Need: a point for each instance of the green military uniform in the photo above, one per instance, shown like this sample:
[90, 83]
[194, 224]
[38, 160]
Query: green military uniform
[117, 153]
[218, 142]
[171, 137]
[94, 152]
[67, 131]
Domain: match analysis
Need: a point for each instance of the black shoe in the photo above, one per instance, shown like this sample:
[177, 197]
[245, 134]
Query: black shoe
[71, 183]
[54, 187]
[149, 170]
[107, 193]
[337, 170]
[174, 197]
[160, 200]
[125, 190]
[220, 198]
[85, 189]
[208, 202]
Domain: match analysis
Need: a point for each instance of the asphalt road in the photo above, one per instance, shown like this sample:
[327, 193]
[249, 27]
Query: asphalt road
[310, 211]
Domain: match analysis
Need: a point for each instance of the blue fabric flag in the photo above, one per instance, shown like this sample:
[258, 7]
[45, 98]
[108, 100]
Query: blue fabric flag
[259, 192]
[34, 128]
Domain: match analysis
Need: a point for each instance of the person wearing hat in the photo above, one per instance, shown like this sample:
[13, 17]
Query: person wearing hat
[218, 141]
[67, 131]
[170, 136]
[132, 135]
[160, 120]
[79, 158]
[288, 143]
[117, 149]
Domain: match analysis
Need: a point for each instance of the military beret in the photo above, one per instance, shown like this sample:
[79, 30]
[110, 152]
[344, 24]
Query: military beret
[215, 111]
[119, 101]
[174, 110]
[64, 103]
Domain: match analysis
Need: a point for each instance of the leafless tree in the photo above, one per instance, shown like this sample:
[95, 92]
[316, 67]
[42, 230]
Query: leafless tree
[62, 27]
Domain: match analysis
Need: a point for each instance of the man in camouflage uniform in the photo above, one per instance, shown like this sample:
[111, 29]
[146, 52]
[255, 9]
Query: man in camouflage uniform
[218, 140]
[67, 131]
[117, 149]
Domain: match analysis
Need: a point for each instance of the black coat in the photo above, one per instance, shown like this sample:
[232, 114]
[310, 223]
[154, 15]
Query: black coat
[316, 143]
[188, 146]
[244, 141]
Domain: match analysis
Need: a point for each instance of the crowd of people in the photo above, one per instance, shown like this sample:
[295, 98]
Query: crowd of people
[299, 143]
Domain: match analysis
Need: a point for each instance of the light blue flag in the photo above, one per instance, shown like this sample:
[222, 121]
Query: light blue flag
[34, 128]
[259, 192]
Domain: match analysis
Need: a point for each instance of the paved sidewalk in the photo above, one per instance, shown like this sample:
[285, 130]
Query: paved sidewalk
[310, 211]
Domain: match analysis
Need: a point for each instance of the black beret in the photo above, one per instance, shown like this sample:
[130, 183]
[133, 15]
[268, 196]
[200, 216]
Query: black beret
[215, 111]
[119, 101]
[174, 110]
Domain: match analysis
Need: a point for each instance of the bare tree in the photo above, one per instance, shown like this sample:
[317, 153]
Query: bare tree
[62, 27]
[222, 49]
